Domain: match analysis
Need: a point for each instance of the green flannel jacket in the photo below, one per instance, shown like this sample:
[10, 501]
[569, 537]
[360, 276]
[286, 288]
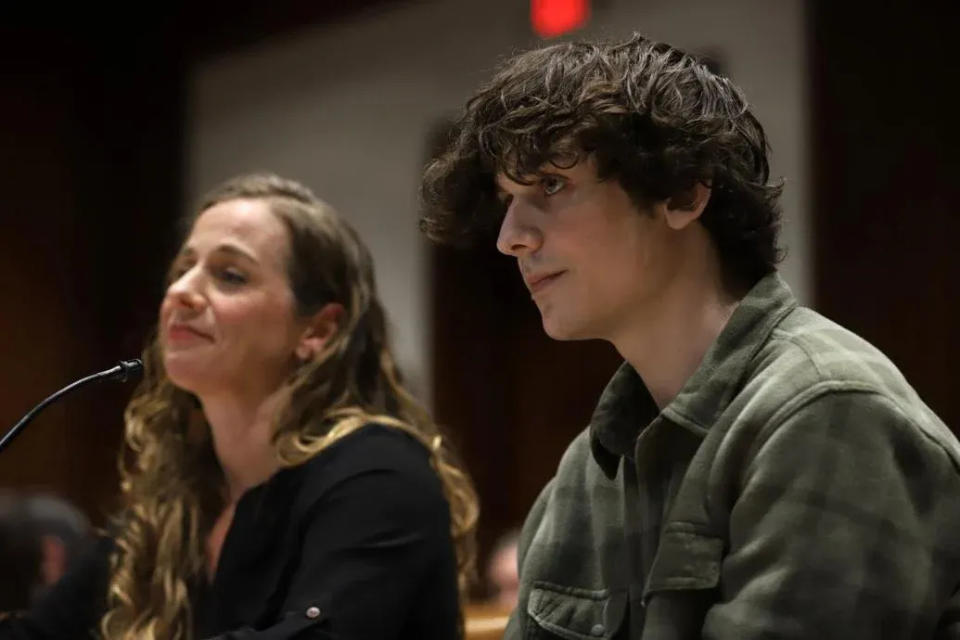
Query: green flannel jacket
[796, 487]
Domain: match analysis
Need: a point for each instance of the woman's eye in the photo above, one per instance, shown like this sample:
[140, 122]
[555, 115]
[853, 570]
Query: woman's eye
[232, 276]
[552, 184]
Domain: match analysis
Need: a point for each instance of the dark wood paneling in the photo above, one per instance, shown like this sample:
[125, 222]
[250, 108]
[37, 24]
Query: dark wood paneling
[886, 188]
[91, 180]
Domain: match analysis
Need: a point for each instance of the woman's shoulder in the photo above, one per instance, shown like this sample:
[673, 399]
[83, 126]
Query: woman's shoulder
[372, 446]
[380, 454]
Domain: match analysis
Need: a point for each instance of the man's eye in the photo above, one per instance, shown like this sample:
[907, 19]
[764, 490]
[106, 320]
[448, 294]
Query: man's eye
[552, 184]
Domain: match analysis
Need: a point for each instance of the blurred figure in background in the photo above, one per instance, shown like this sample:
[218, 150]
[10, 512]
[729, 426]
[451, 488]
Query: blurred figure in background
[502, 580]
[64, 535]
[487, 617]
[41, 538]
[20, 555]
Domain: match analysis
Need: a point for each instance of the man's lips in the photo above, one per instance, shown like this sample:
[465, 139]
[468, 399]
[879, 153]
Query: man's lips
[537, 282]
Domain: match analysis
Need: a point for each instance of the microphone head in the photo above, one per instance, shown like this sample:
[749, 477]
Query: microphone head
[129, 369]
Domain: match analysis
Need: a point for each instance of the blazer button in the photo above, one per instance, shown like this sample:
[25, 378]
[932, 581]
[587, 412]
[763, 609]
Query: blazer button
[313, 612]
[597, 630]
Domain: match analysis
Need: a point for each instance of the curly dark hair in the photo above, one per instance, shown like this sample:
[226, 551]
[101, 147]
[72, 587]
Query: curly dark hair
[654, 118]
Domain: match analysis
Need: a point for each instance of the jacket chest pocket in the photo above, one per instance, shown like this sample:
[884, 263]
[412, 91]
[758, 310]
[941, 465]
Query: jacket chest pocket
[682, 583]
[686, 559]
[574, 614]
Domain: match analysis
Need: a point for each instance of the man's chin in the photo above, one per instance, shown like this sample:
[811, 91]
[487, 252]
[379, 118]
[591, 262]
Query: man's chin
[560, 330]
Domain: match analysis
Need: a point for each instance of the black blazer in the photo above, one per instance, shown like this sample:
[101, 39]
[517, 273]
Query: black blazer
[353, 544]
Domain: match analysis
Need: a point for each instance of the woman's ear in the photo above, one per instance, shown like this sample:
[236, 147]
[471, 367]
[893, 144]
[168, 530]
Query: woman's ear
[321, 326]
[683, 208]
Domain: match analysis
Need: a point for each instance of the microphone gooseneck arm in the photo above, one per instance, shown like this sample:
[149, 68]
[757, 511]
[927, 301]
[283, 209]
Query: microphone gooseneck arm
[124, 371]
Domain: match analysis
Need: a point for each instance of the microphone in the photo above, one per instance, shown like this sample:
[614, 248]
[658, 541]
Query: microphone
[124, 371]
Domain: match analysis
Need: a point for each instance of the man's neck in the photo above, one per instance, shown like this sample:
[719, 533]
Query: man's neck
[667, 341]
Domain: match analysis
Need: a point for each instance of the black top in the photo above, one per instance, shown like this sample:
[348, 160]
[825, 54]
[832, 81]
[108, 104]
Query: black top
[353, 544]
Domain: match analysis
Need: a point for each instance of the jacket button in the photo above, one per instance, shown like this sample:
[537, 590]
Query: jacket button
[313, 612]
[597, 630]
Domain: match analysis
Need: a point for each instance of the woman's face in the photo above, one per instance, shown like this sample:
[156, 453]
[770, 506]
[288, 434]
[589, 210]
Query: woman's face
[228, 321]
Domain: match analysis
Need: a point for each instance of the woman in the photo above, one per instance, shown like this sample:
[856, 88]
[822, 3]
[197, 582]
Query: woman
[279, 481]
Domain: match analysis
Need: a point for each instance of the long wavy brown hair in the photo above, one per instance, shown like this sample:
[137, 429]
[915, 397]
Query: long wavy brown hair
[171, 481]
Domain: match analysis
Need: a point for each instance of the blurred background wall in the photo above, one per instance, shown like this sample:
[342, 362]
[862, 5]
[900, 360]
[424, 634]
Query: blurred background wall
[114, 125]
[349, 107]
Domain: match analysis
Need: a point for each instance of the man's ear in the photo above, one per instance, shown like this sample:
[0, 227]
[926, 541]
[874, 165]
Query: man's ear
[321, 327]
[683, 208]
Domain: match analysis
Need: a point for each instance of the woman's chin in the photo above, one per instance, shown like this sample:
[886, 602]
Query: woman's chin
[186, 374]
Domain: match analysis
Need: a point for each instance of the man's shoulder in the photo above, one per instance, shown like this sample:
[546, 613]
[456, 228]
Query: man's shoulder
[833, 351]
[810, 350]
[809, 359]
[578, 451]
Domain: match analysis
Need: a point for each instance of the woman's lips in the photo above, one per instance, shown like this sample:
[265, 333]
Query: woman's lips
[179, 333]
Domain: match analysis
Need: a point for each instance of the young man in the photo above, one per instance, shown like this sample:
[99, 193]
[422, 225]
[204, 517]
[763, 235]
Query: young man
[752, 470]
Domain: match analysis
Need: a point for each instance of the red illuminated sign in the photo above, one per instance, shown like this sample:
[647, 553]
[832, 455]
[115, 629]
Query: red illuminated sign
[552, 18]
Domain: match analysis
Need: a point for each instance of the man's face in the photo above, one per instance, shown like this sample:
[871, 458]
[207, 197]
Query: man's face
[596, 265]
